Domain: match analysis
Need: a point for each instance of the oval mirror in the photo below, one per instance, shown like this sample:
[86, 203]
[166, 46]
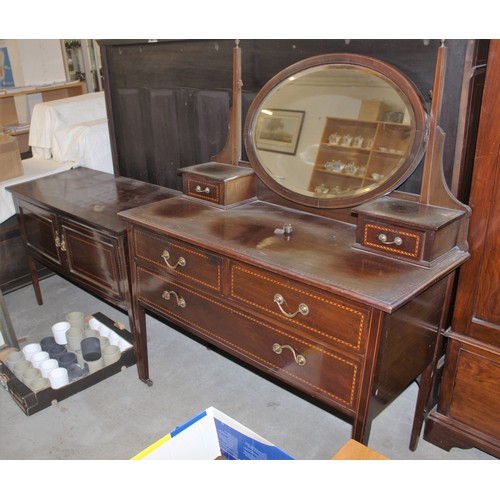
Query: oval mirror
[335, 131]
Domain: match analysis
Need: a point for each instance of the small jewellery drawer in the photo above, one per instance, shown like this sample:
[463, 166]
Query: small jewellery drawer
[407, 230]
[170, 256]
[314, 369]
[393, 239]
[204, 189]
[336, 320]
[218, 183]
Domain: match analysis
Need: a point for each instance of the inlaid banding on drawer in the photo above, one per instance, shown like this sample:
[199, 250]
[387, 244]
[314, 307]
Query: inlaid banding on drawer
[323, 314]
[203, 189]
[409, 243]
[181, 259]
[325, 374]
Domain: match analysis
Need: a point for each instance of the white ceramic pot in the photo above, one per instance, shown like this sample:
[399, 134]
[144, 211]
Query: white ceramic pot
[12, 359]
[58, 378]
[111, 354]
[30, 349]
[47, 366]
[59, 331]
[38, 358]
[76, 319]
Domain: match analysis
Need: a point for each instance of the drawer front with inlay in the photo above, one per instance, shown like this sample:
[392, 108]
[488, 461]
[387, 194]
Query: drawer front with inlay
[170, 256]
[394, 240]
[335, 320]
[316, 370]
[204, 189]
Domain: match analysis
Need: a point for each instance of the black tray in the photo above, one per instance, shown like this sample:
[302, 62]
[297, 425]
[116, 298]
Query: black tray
[32, 402]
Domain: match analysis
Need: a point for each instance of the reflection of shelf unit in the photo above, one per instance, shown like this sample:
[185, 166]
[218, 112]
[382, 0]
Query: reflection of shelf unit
[361, 153]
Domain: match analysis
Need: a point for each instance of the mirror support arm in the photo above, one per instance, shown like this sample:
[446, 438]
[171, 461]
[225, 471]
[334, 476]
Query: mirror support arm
[231, 154]
[432, 175]
[435, 190]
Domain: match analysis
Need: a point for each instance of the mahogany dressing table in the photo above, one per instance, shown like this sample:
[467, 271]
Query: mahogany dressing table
[326, 279]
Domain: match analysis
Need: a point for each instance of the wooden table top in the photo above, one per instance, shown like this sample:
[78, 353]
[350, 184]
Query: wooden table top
[353, 450]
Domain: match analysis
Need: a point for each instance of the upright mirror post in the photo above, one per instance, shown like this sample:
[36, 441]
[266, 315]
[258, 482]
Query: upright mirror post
[231, 153]
[434, 188]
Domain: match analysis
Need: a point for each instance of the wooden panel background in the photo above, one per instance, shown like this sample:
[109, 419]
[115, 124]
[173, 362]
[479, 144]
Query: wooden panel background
[169, 101]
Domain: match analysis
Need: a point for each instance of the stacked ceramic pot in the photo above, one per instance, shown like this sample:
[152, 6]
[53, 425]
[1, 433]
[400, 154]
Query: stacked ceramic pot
[75, 349]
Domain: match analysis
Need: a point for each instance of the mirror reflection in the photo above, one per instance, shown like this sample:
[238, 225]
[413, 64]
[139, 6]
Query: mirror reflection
[334, 131]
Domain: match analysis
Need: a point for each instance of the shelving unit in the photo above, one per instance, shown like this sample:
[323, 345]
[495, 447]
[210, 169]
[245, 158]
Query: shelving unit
[354, 154]
[9, 115]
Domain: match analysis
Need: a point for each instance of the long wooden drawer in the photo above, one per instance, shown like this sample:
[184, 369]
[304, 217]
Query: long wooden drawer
[314, 369]
[168, 255]
[336, 320]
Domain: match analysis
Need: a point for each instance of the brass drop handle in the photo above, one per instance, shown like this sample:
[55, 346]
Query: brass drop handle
[299, 359]
[166, 256]
[303, 308]
[180, 301]
[383, 239]
[60, 243]
[199, 189]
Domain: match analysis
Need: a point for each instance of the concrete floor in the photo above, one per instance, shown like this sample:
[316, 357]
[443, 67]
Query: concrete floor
[120, 416]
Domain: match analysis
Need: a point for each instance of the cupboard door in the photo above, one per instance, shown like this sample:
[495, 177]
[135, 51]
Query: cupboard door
[473, 374]
[93, 258]
[43, 237]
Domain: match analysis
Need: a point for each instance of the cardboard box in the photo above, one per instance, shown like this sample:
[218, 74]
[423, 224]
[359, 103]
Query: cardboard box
[22, 141]
[10, 158]
[372, 110]
[212, 435]
[32, 402]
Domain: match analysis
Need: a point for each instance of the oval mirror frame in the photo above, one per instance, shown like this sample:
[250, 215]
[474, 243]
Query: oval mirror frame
[373, 184]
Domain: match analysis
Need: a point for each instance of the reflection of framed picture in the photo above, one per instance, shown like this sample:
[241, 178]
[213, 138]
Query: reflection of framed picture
[279, 130]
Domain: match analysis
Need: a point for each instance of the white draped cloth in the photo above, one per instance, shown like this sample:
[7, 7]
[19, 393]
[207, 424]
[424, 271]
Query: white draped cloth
[33, 169]
[65, 133]
[72, 129]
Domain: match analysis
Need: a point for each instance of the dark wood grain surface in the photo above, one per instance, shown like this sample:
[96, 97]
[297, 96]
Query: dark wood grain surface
[158, 94]
[319, 251]
[468, 410]
[90, 196]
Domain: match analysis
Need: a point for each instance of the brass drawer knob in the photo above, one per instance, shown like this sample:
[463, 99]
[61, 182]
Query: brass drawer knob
[299, 359]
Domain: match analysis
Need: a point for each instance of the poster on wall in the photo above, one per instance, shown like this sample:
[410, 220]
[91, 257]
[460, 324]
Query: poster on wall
[6, 77]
